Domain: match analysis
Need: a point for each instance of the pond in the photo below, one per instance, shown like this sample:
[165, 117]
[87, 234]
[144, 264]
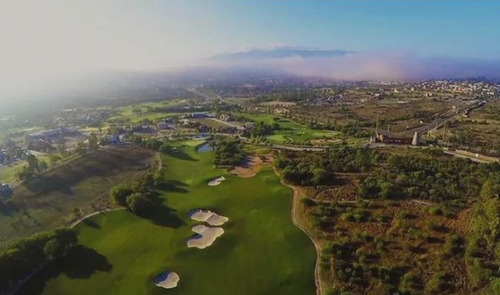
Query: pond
[205, 148]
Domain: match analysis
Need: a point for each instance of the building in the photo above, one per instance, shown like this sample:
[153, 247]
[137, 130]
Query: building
[5, 190]
[384, 137]
[50, 134]
[163, 125]
[226, 117]
[199, 115]
[248, 125]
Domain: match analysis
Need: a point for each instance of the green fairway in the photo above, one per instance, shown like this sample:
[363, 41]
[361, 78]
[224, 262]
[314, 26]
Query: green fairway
[261, 251]
[291, 131]
[137, 112]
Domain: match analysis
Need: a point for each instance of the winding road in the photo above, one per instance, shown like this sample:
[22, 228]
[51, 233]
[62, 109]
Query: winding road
[293, 213]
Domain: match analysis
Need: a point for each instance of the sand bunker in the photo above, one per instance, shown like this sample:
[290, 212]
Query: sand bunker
[249, 168]
[216, 181]
[167, 280]
[205, 236]
[208, 216]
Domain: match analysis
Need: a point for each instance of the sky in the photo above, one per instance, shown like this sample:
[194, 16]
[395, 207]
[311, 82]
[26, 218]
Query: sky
[47, 40]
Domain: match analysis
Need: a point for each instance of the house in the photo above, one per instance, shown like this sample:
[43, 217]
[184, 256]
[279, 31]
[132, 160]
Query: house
[249, 125]
[142, 129]
[5, 190]
[111, 139]
[226, 117]
[199, 115]
[41, 145]
[165, 124]
[162, 126]
[279, 111]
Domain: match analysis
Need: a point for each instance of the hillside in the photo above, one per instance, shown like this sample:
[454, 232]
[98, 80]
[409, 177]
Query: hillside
[69, 191]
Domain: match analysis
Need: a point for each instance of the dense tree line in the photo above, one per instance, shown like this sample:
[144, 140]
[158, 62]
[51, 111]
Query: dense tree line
[356, 129]
[261, 129]
[319, 168]
[440, 179]
[138, 195]
[151, 143]
[26, 255]
[437, 178]
[228, 151]
[482, 255]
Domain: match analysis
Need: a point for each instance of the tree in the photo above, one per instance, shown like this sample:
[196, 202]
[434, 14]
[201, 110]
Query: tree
[81, 148]
[137, 202]
[20, 258]
[159, 175]
[42, 166]
[61, 148]
[120, 193]
[32, 163]
[93, 142]
[53, 249]
[53, 159]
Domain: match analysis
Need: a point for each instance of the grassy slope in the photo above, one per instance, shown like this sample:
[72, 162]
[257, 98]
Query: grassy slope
[77, 184]
[260, 253]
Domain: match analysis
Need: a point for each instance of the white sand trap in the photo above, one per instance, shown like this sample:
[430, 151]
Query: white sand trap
[208, 216]
[205, 236]
[216, 181]
[167, 280]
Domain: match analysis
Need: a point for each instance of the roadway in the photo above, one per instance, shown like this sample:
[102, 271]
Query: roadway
[448, 115]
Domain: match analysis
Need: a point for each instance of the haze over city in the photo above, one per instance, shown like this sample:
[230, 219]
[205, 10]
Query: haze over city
[50, 44]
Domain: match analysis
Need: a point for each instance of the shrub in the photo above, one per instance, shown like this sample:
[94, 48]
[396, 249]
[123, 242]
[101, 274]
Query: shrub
[435, 283]
[120, 193]
[137, 203]
[308, 202]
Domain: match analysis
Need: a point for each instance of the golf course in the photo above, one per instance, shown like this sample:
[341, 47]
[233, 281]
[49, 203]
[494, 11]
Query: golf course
[259, 252]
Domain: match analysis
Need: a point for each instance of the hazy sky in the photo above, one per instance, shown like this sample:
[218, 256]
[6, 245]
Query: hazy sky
[44, 39]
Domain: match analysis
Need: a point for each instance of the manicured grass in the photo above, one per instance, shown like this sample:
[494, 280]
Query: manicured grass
[137, 112]
[210, 123]
[261, 252]
[8, 172]
[291, 130]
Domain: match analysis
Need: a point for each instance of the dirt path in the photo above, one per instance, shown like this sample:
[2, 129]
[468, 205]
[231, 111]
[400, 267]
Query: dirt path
[160, 162]
[293, 213]
[80, 220]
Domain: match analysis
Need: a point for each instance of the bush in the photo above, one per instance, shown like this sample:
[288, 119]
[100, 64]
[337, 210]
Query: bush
[308, 202]
[137, 203]
[453, 245]
[435, 210]
[229, 151]
[120, 193]
[435, 283]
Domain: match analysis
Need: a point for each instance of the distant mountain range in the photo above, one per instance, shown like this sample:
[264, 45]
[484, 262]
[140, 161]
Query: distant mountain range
[280, 53]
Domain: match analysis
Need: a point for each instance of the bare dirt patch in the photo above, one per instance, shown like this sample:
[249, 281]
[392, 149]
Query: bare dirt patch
[250, 168]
